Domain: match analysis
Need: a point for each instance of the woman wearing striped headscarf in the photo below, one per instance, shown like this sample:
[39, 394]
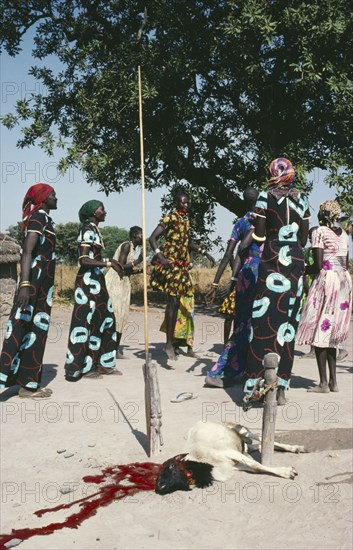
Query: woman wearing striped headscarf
[282, 223]
[327, 312]
[27, 328]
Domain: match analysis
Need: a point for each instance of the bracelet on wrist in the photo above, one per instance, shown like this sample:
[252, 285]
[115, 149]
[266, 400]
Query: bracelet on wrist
[214, 285]
[233, 278]
[157, 251]
[260, 239]
[109, 263]
[24, 284]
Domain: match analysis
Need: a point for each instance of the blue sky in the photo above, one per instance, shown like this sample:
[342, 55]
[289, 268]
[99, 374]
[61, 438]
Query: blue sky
[20, 168]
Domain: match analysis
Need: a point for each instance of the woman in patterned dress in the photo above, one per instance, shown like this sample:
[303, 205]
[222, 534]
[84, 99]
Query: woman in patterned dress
[325, 320]
[92, 337]
[282, 221]
[231, 363]
[171, 271]
[27, 328]
[120, 289]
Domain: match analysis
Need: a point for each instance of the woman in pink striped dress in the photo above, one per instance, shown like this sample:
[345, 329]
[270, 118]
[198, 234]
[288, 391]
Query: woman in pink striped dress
[325, 320]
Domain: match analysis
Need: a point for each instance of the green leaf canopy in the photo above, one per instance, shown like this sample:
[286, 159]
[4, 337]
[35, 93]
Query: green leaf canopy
[227, 86]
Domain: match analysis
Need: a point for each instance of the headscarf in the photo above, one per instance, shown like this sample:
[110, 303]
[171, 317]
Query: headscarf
[283, 174]
[88, 209]
[33, 201]
[330, 212]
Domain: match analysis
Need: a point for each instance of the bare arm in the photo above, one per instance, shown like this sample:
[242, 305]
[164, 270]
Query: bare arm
[244, 244]
[318, 255]
[124, 251]
[86, 261]
[29, 245]
[303, 232]
[211, 294]
[260, 226]
[157, 233]
[128, 267]
[225, 260]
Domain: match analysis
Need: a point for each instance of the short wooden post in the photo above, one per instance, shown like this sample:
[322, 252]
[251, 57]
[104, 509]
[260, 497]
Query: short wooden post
[270, 410]
[152, 407]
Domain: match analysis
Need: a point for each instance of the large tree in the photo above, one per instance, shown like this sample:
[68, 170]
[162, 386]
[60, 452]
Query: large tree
[227, 86]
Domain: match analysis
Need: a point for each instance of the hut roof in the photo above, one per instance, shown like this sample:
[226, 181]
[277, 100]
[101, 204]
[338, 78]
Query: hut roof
[9, 249]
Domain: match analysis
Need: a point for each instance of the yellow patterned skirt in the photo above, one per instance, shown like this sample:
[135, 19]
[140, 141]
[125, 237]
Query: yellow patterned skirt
[228, 305]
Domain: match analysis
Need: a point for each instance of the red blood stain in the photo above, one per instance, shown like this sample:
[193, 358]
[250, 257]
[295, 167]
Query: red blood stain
[140, 475]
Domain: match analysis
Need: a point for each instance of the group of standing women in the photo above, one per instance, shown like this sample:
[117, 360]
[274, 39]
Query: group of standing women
[93, 338]
[268, 279]
[280, 224]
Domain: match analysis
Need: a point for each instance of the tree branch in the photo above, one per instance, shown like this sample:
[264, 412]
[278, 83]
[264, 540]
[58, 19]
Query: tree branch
[203, 177]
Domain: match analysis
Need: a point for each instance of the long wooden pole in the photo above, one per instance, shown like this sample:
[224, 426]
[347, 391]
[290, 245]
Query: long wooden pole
[144, 248]
[152, 395]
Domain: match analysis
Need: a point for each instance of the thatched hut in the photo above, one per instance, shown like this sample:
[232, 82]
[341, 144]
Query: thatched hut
[9, 258]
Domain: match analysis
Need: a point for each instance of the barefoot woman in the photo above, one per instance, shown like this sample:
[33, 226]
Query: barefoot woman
[171, 272]
[27, 328]
[119, 289]
[92, 336]
[282, 223]
[327, 312]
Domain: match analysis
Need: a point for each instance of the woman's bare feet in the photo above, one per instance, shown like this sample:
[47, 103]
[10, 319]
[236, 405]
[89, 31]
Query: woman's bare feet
[214, 382]
[333, 387]
[320, 389]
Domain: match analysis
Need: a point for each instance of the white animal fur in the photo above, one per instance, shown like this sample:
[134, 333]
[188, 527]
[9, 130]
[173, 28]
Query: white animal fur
[221, 446]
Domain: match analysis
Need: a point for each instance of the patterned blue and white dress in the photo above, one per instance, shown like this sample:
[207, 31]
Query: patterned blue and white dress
[276, 308]
[27, 329]
[232, 361]
[92, 335]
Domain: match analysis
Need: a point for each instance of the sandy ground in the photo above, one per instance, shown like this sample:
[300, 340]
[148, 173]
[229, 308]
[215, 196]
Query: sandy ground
[97, 428]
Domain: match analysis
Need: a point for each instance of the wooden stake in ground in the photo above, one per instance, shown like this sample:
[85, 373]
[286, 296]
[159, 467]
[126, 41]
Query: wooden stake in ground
[152, 396]
[270, 409]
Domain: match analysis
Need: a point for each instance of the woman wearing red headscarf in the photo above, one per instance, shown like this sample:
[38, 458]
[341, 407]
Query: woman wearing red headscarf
[282, 223]
[27, 328]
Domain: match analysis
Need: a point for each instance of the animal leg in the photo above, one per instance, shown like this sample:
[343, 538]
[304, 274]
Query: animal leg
[290, 448]
[246, 436]
[252, 447]
[242, 462]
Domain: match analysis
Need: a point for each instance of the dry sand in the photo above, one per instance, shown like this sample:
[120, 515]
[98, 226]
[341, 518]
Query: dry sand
[250, 511]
